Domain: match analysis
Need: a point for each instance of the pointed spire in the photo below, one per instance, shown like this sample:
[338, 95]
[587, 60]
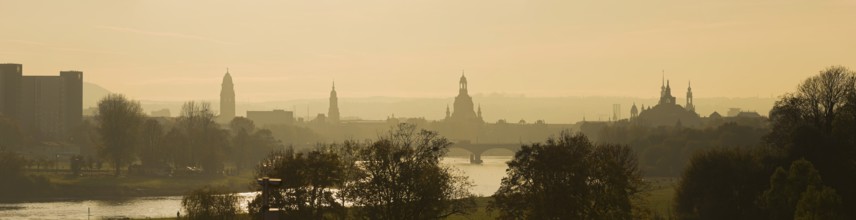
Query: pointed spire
[664, 78]
[334, 85]
[227, 70]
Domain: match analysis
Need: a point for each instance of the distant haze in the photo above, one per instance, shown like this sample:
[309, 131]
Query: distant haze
[172, 51]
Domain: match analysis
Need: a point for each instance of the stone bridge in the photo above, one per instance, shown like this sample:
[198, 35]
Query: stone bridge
[476, 149]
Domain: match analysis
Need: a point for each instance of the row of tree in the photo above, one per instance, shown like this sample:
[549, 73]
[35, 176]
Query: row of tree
[192, 143]
[399, 176]
[805, 168]
[666, 151]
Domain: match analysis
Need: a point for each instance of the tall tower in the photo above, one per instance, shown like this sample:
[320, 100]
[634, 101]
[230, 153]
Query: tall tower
[227, 98]
[690, 105]
[333, 111]
[448, 113]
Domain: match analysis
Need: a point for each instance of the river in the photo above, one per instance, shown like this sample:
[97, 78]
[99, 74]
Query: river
[486, 178]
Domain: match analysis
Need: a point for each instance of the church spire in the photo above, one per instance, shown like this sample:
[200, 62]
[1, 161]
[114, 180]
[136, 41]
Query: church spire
[333, 110]
[479, 112]
[448, 112]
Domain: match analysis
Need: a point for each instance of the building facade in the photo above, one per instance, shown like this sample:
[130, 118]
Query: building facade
[275, 117]
[47, 107]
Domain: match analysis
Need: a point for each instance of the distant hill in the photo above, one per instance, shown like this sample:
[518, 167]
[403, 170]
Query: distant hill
[92, 93]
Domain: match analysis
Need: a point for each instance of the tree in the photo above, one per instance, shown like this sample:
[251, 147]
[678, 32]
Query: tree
[402, 178]
[801, 183]
[308, 183]
[569, 177]
[206, 142]
[817, 123]
[209, 203]
[152, 153]
[11, 136]
[721, 184]
[118, 125]
[176, 143]
[818, 203]
[241, 124]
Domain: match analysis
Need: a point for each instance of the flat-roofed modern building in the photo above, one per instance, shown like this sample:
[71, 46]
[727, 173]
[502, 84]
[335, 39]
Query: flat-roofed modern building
[277, 116]
[47, 107]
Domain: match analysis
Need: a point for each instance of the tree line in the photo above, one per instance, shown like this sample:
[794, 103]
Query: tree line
[399, 175]
[193, 143]
[805, 167]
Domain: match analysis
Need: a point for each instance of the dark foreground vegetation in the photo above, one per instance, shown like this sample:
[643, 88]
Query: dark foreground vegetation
[805, 169]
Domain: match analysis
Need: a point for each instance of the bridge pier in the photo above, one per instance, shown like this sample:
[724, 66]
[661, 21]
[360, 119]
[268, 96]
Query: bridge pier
[475, 158]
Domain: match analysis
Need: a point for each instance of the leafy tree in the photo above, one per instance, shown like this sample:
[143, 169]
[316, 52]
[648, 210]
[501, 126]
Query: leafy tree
[817, 123]
[206, 143]
[209, 203]
[175, 142]
[119, 121]
[151, 144]
[241, 144]
[570, 178]
[308, 183]
[11, 165]
[791, 187]
[780, 200]
[721, 184]
[403, 178]
[819, 203]
[262, 143]
[242, 124]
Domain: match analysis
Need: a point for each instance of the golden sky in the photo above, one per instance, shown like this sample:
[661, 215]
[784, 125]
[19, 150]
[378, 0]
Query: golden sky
[284, 50]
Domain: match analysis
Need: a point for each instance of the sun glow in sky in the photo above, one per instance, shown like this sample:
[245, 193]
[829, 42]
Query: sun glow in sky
[284, 50]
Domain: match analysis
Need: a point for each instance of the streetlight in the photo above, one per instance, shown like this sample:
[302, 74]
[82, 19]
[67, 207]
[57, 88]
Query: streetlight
[267, 183]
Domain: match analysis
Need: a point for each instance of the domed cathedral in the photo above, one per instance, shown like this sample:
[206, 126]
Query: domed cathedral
[227, 99]
[463, 122]
[464, 110]
[667, 112]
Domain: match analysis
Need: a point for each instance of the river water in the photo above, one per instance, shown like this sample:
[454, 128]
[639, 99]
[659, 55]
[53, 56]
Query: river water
[486, 178]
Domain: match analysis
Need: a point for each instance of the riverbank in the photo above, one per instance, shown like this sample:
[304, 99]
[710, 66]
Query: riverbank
[62, 187]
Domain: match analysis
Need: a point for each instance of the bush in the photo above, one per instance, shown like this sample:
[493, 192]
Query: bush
[210, 203]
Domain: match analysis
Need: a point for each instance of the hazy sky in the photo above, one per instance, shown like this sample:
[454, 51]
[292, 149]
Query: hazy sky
[283, 50]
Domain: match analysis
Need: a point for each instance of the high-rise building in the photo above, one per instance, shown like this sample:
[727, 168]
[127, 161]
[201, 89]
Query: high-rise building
[47, 107]
[10, 89]
[333, 111]
[227, 99]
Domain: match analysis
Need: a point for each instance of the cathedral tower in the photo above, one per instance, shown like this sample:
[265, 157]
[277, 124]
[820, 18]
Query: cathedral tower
[333, 111]
[227, 98]
[690, 106]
